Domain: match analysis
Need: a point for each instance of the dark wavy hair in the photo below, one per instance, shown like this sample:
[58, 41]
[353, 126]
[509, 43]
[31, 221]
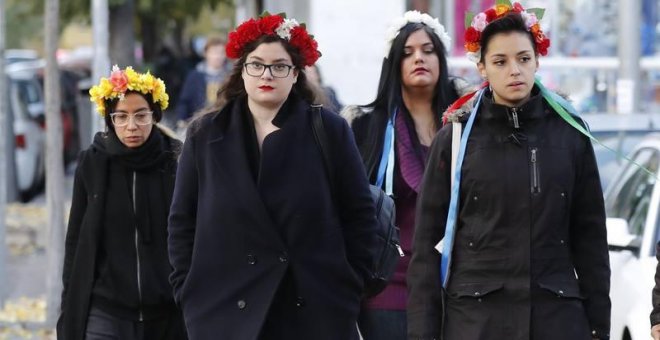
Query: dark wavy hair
[512, 22]
[234, 87]
[111, 105]
[389, 93]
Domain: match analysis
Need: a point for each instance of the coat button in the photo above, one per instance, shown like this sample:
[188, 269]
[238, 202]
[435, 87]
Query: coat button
[477, 293]
[563, 194]
[283, 257]
[562, 241]
[251, 259]
[241, 304]
[300, 302]
[471, 244]
[475, 198]
[561, 292]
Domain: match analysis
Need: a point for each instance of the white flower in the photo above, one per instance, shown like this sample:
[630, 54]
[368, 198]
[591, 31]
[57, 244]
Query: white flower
[474, 57]
[416, 17]
[284, 30]
[479, 22]
[530, 19]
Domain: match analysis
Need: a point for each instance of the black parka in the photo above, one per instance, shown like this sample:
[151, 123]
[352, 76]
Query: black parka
[530, 257]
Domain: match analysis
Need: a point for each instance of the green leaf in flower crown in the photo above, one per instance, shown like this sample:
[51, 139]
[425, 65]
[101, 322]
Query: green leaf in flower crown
[504, 2]
[282, 14]
[537, 11]
[468, 19]
[264, 14]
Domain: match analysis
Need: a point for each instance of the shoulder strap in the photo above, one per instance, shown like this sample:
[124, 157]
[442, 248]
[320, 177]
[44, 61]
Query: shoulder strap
[322, 141]
[455, 147]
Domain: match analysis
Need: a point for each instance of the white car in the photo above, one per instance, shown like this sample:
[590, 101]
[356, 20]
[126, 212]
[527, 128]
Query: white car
[26, 103]
[633, 228]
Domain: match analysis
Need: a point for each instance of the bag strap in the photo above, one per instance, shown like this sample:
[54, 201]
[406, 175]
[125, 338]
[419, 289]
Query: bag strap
[322, 141]
[455, 147]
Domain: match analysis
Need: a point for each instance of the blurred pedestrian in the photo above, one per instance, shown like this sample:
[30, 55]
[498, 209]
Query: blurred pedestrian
[116, 268]
[201, 86]
[414, 90]
[263, 247]
[524, 250]
[655, 313]
[329, 96]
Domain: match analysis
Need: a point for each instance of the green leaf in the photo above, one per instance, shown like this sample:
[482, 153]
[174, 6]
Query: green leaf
[282, 14]
[468, 19]
[504, 2]
[537, 11]
[264, 14]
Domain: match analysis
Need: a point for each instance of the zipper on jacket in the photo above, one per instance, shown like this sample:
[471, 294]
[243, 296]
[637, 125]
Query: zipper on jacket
[137, 249]
[514, 115]
[536, 184]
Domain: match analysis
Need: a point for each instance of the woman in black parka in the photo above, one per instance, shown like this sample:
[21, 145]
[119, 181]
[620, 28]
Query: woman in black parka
[116, 268]
[262, 246]
[529, 256]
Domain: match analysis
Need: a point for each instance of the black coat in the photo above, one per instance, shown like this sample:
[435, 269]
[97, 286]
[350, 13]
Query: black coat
[84, 233]
[531, 218]
[655, 313]
[234, 241]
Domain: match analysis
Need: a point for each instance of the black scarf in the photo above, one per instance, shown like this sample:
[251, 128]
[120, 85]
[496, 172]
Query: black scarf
[151, 208]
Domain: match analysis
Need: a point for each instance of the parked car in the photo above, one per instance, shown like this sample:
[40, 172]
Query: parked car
[26, 106]
[633, 227]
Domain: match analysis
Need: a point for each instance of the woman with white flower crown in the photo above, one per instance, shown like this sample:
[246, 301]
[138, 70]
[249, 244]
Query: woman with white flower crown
[414, 89]
[512, 197]
[262, 245]
[116, 269]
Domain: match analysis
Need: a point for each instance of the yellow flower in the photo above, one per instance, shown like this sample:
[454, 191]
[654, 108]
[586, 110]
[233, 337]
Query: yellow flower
[501, 9]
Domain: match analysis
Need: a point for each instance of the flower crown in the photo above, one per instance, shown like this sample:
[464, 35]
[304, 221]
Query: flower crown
[476, 24]
[277, 25]
[127, 80]
[416, 17]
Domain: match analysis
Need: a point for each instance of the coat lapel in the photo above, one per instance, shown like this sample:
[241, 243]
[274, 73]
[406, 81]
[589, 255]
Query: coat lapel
[229, 153]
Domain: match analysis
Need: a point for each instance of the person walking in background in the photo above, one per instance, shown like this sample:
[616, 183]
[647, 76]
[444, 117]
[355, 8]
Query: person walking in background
[201, 86]
[414, 90]
[524, 250]
[116, 269]
[655, 313]
[329, 99]
[262, 246]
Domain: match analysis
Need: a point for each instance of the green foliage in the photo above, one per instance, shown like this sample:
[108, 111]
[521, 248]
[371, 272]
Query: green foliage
[25, 23]
[504, 2]
[538, 11]
[468, 19]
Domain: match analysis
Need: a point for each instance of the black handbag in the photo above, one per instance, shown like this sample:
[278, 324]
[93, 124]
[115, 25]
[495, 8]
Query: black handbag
[388, 249]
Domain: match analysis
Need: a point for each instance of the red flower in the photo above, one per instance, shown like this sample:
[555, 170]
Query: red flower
[542, 47]
[518, 8]
[119, 81]
[306, 45]
[269, 23]
[491, 14]
[472, 35]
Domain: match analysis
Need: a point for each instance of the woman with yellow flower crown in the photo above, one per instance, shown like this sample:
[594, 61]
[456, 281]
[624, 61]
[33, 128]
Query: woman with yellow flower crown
[512, 197]
[115, 265]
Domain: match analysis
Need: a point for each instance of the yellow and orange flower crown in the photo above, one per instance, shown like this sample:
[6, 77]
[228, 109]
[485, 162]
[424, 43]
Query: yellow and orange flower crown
[475, 25]
[121, 81]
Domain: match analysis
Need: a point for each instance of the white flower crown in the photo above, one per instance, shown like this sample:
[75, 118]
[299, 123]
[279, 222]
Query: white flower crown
[417, 18]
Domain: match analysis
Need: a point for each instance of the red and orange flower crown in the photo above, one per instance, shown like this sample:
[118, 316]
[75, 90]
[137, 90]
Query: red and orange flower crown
[276, 25]
[476, 24]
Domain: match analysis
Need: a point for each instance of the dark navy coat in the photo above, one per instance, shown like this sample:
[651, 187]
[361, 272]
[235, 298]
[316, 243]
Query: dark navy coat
[271, 258]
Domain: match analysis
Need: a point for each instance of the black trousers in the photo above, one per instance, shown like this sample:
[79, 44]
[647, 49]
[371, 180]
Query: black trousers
[103, 326]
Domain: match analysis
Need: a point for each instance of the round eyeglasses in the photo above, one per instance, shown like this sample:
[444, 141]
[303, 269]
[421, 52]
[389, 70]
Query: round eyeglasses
[276, 70]
[140, 118]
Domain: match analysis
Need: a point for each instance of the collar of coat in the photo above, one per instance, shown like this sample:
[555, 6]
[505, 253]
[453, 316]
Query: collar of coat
[461, 112]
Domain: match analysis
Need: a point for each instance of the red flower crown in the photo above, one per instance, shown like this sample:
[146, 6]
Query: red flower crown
[276, 25]
[475, 24]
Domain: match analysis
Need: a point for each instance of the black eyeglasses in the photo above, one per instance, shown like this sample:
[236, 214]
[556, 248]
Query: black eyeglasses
[276, 70]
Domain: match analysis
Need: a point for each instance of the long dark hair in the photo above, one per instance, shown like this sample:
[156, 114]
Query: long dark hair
[234, 87]
[512, 22]
[389, 95]
[111, 105]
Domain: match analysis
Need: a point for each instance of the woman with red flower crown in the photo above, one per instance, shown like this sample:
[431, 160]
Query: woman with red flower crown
[262, 246]
[510, 240]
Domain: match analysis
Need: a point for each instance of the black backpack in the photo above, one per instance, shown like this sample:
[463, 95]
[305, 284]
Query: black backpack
[388, 247]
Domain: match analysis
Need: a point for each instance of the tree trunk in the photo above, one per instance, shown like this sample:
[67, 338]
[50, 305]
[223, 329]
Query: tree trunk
[5, 136]
[151, 38]
[54, 165]
[122, 34]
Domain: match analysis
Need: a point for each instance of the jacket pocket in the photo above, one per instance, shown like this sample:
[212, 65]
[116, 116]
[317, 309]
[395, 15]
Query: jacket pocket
[474, 290]
[562, 288]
